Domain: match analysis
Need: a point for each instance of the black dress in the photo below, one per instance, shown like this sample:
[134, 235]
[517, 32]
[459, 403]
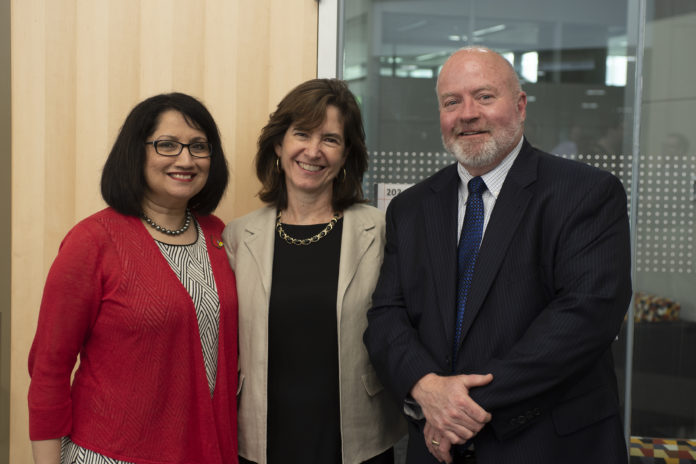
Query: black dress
[303, 384]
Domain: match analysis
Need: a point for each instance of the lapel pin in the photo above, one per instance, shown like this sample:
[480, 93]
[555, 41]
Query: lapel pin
[217, 242]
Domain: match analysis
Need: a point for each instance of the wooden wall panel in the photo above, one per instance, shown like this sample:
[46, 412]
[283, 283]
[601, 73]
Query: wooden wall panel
[28, 192]
[79, 66]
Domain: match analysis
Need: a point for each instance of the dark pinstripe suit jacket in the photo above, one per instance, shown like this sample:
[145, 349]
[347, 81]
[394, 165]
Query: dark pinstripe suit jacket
[549, 293]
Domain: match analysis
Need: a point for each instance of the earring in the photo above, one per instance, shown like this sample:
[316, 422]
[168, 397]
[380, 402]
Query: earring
[345, 174]
[278, 164]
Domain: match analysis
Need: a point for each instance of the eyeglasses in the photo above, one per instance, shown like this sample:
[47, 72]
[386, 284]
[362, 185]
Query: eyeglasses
[172, 148]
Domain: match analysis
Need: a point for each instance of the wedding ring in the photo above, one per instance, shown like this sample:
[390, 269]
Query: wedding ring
[435, 442]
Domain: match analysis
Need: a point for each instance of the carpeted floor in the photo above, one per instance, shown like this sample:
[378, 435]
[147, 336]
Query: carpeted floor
[662, 451]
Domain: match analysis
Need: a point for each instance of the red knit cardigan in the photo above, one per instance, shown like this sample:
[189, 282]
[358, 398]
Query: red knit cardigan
[140, 393]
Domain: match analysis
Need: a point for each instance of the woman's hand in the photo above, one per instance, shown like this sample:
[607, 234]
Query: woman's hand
[46, 451]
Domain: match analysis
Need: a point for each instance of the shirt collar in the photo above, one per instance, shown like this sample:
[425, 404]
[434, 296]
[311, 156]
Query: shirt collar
[495, 177]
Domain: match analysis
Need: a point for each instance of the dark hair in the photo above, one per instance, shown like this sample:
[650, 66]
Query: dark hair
[123, 181]
[306, 106]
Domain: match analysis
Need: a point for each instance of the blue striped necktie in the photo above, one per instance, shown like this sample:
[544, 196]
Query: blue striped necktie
[469, 243]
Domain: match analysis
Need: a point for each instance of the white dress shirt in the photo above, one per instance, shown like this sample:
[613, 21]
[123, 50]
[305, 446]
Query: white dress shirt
[494, 182]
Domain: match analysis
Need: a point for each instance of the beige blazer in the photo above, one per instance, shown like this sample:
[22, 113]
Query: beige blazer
[370, 419]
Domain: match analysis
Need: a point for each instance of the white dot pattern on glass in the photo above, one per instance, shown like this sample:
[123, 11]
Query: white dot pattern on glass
[665, 223]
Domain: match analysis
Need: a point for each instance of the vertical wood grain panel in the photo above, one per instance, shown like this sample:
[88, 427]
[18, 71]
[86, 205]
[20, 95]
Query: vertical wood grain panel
[59, 120]
[187, 34]
[79, 66]
[28, 238]
[223, 70]
[91, 107]
[156, 47]
[299, 54]
[123, 86]
[251, 95]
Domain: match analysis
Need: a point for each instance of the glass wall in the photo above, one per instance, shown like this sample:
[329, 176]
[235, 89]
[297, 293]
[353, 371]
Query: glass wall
[575, 66]
[664, 354]
[581, 64]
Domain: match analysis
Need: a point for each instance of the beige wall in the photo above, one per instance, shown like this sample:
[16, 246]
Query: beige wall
[5, 130]
[78, 66]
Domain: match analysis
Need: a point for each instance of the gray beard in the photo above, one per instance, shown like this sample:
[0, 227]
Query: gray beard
[492, 150]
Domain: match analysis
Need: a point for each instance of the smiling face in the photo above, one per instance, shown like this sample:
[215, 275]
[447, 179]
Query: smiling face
[482, 109]
[312, 158]
[173, 180]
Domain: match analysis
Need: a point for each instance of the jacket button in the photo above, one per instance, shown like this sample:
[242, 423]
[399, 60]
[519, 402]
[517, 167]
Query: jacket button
[521, 419]
[537, 412]
[513, 421]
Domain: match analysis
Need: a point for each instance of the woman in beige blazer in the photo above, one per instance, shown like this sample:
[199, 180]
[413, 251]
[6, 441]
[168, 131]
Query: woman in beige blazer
[306, 267]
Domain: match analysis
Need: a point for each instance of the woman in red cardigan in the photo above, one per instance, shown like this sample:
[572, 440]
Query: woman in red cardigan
[143, 293]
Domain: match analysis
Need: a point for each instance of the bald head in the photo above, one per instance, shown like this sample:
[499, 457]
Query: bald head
[482, 53]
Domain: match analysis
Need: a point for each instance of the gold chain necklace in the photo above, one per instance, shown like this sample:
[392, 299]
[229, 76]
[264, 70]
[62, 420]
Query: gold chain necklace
[305, 241]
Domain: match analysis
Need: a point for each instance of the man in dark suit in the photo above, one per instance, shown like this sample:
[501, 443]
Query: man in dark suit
[512, 354]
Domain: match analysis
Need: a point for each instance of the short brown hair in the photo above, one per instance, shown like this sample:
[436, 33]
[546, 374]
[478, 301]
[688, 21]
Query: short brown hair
[306, 106]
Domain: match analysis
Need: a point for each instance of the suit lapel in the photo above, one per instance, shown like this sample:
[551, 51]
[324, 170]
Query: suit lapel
[358, 236]
[259, 239]
[440, 214]
[507, 214]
